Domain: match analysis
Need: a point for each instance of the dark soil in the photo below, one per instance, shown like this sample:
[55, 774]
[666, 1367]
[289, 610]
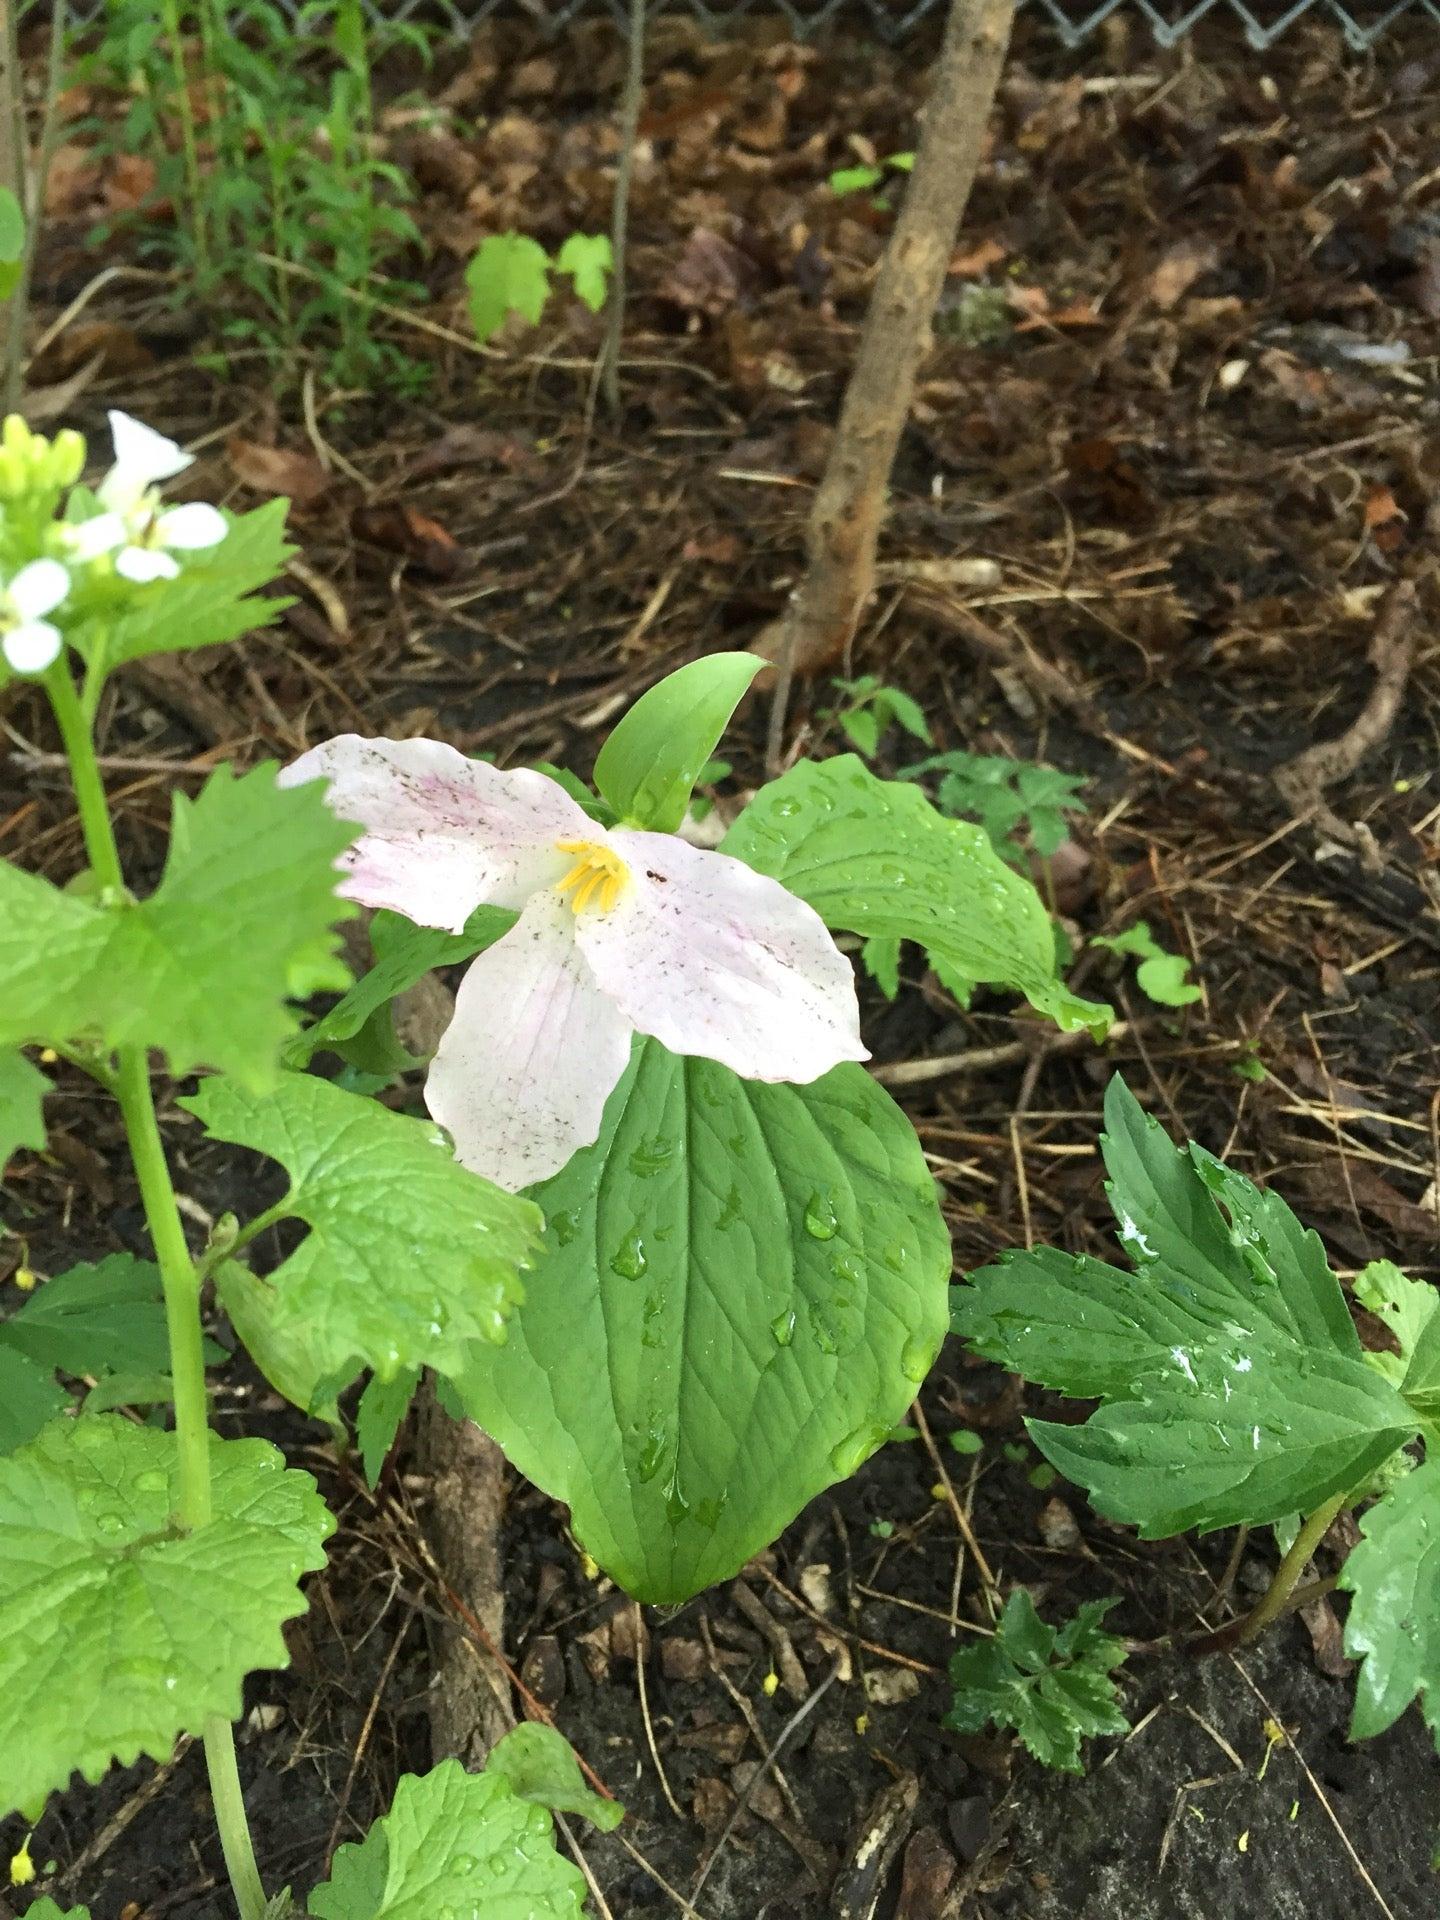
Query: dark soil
[1194, 496]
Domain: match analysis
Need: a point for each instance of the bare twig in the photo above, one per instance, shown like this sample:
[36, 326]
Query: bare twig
[1303, 780]
[849, 503]
[31, 193]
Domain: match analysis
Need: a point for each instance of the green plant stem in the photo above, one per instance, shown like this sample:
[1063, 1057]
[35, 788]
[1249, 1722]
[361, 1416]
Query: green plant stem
[199, 226]
[178, 1276]
[1287, 1574]
[90, 799]
[235, 1842]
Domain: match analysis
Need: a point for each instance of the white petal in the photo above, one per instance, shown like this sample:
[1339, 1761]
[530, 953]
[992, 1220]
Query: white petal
[144, 564]
[142, 457]
[38, 588]
[712, 958]
[443, 834]
[88, 539]
[33, 647]
[191, 527]
[527, 1064]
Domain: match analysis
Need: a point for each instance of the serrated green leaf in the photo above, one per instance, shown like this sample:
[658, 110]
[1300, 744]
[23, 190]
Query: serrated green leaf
[1234, 1386]
[540, 1765]
[881, 960]
[510, 273]
[102, 1320]
[410, 1258]
[22, 1105]
[453, 1842]
[241, 923]
[383, 1405]
[589, 260]
[117, 1632]
[404, 954]
[1405, 1305]
[45, 1909]
[94, 1319]
[648, 767]
[215, 599]
[1394, 1624]
[874, 857]
[30, 1396]
[741, 1286]
[1053, 1688]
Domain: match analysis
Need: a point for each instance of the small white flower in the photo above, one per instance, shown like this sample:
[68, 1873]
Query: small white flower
[620, 932]
[134, 527]
[30, 642]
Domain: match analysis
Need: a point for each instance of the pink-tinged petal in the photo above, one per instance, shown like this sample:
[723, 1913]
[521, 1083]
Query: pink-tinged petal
[712, 958]
[443, 834]
[526, 1066]
[31, 648]
[141, 565]
[38, 589]
[142, 457]
[191, 528]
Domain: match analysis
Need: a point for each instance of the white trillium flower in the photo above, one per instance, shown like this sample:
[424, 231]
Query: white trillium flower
[30, 642]
[620, 932]
[143, 535]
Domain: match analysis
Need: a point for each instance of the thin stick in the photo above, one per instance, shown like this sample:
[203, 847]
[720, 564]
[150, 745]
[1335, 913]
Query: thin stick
[620, 208]
[661, 1775]
[32, 201]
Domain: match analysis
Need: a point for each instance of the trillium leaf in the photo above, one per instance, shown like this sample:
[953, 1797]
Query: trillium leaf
[540, 1765]
[510, 273]
[1053, 1687]
[453, 1842]
[874, 857]
[118, 1632]
[648, 767]
[22, 1105]
[404, 954]
[216, 598]
[409, 1258]
[1394, 1624]
[741, 1286]
[1233, 1385]
[173, 971]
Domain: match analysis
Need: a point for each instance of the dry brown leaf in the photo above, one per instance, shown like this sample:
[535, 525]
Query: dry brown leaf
[709, 276]
[276, 470]
[411, 534]
[1179, 267]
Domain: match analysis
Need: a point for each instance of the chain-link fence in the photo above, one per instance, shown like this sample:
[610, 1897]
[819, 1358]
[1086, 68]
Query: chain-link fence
[1263, 21]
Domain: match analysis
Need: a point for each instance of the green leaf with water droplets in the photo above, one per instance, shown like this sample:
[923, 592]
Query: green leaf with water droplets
[1051, 1685]
[1406, 1306]
[1233, 1384]
[118, 1632]
[1393, 1627]
[874, 857]
[409, 1258]
[453, 1843]
[741, 1287]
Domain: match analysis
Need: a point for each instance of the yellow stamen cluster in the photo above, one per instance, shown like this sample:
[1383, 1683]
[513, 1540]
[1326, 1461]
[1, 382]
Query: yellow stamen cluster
[598, 877]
